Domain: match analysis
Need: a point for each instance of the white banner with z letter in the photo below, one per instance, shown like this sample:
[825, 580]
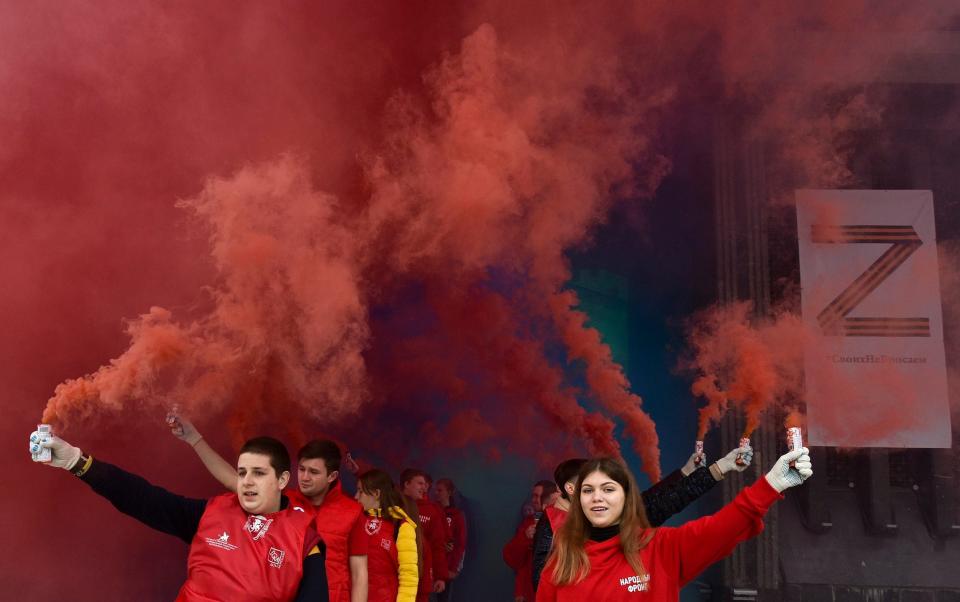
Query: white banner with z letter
[875, 370]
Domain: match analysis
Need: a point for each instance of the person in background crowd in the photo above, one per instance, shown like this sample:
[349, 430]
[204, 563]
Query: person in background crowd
[456, 531]
[607, 549]
[433, 527]
[337, 518]
[668, 497]
[518, 553]
[393, 549]
[251, 545]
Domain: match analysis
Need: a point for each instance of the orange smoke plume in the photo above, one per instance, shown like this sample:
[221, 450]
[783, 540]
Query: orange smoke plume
[745, 362]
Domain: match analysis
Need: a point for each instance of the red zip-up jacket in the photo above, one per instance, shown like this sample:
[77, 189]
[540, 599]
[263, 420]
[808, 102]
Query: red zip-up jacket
[457, 538]
[433, 526]
[518, 554]
[672, 558]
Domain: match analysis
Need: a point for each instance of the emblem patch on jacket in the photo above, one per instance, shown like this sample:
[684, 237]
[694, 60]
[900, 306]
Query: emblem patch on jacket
[275, 557]
[257, 526]
[373, 525]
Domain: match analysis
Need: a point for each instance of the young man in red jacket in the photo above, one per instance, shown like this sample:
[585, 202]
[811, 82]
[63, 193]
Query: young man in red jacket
[518, 553]
[337, 518]
[433, 525]
[252, 545]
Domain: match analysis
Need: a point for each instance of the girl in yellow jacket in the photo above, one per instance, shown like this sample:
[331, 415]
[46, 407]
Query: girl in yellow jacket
[393, 552]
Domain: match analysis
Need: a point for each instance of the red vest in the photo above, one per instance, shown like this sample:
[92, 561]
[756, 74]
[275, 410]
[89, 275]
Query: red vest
[334, 520]
[382, 561]
[239, 556]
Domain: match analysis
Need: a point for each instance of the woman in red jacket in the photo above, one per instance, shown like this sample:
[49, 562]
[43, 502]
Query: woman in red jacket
[606, 549]
[393, 551]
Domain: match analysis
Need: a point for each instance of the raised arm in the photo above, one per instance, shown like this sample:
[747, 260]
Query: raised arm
[700, 543]
[679, 489]
[130, 494]
[223, 471]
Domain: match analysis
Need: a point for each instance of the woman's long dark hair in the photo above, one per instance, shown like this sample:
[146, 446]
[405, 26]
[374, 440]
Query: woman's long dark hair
[377, 481]
[569, 556]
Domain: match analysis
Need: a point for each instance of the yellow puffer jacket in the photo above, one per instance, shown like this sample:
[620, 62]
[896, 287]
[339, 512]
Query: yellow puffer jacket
[407, 569]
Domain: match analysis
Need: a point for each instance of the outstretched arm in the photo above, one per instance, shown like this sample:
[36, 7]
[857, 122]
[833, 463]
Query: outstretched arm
[702, 542]
[682, 487]
[132, 495]
[183, 429]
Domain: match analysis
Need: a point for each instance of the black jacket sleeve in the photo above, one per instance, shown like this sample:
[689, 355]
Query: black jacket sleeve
[674, 493]
[151, 505]
[542, 542]
[313, 585]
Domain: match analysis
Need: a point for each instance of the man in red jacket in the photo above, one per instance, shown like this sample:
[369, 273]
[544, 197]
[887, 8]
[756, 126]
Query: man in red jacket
[251, 545]
[433, 525]
[337, 518]
[518, 553]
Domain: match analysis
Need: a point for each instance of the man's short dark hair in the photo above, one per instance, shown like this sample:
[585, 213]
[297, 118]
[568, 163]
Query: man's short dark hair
[548, 487]
[273, 449]
[322, 449]
[567, 471]
[410, 474]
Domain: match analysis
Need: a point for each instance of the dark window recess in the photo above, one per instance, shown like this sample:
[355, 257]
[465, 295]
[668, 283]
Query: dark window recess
[840, 467]
[902, 473]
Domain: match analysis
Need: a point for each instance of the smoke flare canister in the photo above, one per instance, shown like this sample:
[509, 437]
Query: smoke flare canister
[744, 442]
[173, 421]
[794, 439]
[43, 434]
[698, 457]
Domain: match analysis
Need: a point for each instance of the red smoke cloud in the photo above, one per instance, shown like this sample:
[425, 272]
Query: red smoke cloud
[749, 363]
[504, 162]
[330, 159]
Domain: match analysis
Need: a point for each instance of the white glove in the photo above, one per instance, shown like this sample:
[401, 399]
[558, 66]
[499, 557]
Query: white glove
[62, 454]
[183, 429]
[783, 476]
[692, 463]
[728, 463]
